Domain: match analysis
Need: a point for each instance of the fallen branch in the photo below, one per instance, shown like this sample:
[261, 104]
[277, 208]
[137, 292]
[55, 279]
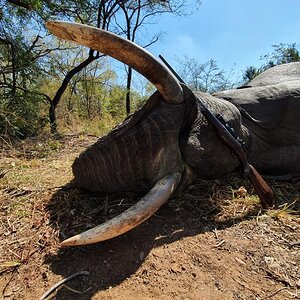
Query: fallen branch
[58, 284]
[275, 293]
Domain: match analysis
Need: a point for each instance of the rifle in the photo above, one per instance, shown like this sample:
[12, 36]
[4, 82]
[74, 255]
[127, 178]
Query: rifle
[238, 146]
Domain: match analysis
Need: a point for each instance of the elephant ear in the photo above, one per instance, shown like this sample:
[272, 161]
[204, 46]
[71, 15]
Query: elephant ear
[270, 106]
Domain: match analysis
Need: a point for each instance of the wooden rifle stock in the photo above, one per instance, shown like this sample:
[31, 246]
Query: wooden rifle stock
[262, 189]
[228, 136]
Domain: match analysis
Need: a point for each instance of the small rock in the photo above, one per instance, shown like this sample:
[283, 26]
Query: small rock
[268, 260]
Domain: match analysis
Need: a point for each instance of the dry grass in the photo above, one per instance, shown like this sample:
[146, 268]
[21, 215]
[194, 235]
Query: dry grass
[34, 170]
[38, 207]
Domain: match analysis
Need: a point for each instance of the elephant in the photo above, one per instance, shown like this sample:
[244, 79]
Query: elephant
[167, 143]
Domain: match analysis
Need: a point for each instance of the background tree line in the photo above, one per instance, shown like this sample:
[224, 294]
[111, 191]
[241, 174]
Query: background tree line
[47, 83]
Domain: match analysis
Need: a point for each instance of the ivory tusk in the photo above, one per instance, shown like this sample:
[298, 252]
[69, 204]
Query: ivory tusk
[132, 217]
[123, 50]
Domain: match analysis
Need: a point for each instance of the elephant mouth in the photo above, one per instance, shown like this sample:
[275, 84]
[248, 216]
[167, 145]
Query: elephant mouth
[170, 91]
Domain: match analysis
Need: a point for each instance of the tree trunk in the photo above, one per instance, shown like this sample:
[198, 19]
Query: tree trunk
[52, 118]
[128, 89]
[63, 87]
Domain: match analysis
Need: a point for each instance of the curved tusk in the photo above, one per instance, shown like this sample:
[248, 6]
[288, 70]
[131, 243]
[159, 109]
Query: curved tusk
[123, 50]
[132, 217]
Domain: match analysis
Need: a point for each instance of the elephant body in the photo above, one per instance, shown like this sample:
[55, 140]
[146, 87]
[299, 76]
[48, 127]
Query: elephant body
[168, 142]
[161, 138]
[271, 113]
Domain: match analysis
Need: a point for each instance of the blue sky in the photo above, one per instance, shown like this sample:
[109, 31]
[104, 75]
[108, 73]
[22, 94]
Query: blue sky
[233, 32]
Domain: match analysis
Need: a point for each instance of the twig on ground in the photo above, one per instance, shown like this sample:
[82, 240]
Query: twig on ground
[275, 293]
[58, 284]
[75, 291]
[220, 243]
[295, 244]
[32, 214]
[216, 233]
[8, 282]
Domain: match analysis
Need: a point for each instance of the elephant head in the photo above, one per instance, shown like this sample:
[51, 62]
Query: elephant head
[161, 147]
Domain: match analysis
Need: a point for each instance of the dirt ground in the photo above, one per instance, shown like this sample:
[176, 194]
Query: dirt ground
[212, 242]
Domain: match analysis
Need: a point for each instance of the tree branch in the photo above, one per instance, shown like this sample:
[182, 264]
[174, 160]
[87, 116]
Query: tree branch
[70, 74]
[20, 4]
[154, 40]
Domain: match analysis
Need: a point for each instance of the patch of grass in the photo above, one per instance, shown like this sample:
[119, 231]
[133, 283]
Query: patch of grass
[53, 145]
[286, 210]
[17, 202]
[16, 179]
[99, 127]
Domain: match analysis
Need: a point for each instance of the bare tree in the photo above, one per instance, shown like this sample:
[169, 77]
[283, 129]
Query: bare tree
[125, 17]
[137, 14]
[205, 77]
[105, 12]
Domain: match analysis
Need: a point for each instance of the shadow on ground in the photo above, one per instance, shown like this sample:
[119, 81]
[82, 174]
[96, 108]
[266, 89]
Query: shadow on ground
[111, 262]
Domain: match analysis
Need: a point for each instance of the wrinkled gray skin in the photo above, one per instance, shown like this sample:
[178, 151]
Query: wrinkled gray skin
[164, 138]
[270, 109]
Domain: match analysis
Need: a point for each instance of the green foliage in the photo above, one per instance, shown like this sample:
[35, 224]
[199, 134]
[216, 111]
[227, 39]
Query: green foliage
[113, 102]
[34, 66]
[21, 104]
[41, 75]
[282, 54]
[250, 73]
[23, 116]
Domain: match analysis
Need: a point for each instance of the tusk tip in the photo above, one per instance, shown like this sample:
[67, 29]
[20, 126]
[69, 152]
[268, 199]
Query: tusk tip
[61, 29]
[72, 241]
[51, 25]
[55, 27]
